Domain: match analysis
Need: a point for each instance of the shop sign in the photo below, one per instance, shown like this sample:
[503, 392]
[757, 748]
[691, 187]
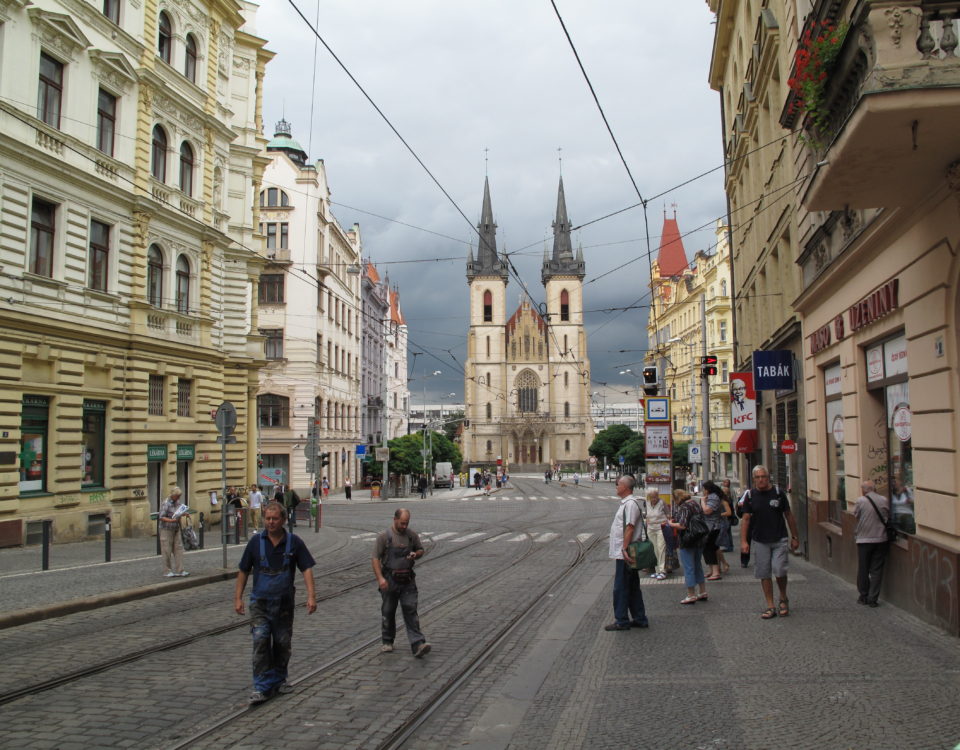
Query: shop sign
[837, 429]
[186, 452]
[832, 380]
[773, 371]
[895, 356]
[874, 364]
[157, 452]
[902, 419]
[788, 446]
[743, 401]
[870, 309]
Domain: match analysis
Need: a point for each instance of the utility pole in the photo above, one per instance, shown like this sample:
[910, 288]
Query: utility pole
[705, 456]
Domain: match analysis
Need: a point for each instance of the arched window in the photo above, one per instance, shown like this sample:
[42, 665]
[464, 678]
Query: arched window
[528, 387]
[566, 379]
[190, 59]
[566, 409]
[564, 305]
[165, 39]
[183, 284]
[566, 446]
[273, 410]
[186, 168]
[489, 446]
[155, 276]
[158, 154]
[487, 307]
[489, 410]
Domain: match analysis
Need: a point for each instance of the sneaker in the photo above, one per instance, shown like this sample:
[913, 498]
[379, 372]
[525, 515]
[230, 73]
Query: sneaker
[171, 574]
[386, 648]
[653, 575]
[422, 650]
[285, 688]
[183, 573]
[661, 576]
[615, 626]
[257, 697]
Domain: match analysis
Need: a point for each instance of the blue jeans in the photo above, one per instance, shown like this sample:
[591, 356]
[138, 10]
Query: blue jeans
[627, 599]
[272, 628]
[692, 563]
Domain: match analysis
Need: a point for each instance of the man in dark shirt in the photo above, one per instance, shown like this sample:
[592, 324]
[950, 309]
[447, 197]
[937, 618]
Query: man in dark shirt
[766, 516]
[272, 555]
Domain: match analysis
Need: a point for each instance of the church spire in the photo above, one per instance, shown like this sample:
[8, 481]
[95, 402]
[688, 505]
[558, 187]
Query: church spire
[562, 263]
[488, 263]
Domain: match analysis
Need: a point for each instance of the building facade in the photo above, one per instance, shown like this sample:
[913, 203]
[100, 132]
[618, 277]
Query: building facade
[376, 323]
[128, 165]
[690, 317]
[398, 392]
[309, 296]
[526, 382]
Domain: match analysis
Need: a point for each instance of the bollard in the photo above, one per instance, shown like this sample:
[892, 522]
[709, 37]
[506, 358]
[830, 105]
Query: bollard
[106, 540]
[243, 522]
[317, 519]
[201, 529]
[236, 526]
[45, 552]
[158, 532]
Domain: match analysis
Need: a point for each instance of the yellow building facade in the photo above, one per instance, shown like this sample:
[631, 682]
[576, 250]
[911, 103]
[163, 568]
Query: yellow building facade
[129, 259]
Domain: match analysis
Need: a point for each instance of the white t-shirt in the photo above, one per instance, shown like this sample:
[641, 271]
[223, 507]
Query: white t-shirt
[256, 499]
[631, 506]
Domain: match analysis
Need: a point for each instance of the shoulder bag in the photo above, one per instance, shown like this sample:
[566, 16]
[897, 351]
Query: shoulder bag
[695, 533]
[642, 552]
[887, 523]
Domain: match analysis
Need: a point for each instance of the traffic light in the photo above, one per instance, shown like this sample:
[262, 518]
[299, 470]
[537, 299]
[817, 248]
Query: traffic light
[708, 365]
[259, 462]
[651, 382]
[324, 459]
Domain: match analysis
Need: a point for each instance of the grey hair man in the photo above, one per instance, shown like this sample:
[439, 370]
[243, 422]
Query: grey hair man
[872, 511]
[626, 528]
[766, 516]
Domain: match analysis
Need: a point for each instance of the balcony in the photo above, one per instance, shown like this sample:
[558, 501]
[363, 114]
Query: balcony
[169, 325]
[892, 104]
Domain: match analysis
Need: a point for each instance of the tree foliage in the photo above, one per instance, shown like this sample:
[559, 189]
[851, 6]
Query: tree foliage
[405, 456]
[610, 442]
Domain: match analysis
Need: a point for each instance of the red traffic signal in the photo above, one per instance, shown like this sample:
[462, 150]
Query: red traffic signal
[708, 365]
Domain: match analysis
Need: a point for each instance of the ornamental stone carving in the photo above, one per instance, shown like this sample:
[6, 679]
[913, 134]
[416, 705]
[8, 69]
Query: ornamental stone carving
[895, 19]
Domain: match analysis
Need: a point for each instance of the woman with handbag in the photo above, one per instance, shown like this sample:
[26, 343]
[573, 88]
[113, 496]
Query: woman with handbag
[655, 511]
[725, 538]
[691, 529]
[712, 507]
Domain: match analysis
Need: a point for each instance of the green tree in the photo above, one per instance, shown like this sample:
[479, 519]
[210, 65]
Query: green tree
[406, 458]
[451, 423]
[680, 456]
[610, 441]
[633, 453]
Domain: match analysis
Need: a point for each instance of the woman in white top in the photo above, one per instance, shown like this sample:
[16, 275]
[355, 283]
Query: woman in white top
[655, 511]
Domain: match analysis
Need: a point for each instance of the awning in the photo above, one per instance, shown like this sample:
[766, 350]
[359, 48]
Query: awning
[744, 441]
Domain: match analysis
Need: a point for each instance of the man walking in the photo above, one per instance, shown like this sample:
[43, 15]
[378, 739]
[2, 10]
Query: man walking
[872, 511]
[627, 600]
[272, 555]
[766, 516]
[394, 554]
[290, 501]
[255, 500]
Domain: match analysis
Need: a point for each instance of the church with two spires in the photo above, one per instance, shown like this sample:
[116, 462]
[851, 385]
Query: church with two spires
[527, 377]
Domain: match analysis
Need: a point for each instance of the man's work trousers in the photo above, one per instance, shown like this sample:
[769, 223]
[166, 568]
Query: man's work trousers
[272, 629]
[404, 594]
[871, 557]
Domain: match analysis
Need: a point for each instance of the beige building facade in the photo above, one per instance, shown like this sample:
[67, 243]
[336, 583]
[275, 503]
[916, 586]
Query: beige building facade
[129, 258]
[526, 382]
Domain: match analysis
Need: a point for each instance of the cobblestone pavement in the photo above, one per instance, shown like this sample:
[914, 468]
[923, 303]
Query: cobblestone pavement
[832, 675]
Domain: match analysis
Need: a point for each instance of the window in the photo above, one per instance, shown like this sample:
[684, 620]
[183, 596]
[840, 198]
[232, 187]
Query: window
[724, 371]
[273, 346]
[527, 391]
[111, 9]
[158, 154]
[42, 226]
[487, 307]
[183, 284]
[319, 350]
[165, 39]
[273, 229]
[488, 346]
[184, 389]
[489, 410]
[723, 330]
[489, 446]
[566, 409]
[271, 289]
[93, 437]
[564, 305]
[186, 169]
[273, 197]
[155, 276]
[106, 121]
[155, 396]
[34, 417]
[190, 59]
[272, 411]
[566, 379]
[99, 255]
[50, 94]
[566, 446]
[833, 420]
[565, 349]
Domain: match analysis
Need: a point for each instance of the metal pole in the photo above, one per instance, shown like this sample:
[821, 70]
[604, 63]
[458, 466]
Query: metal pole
[705, 449]
[45, 549]
[201, 529]
[224, 512]
[693, 402]
[106, 540]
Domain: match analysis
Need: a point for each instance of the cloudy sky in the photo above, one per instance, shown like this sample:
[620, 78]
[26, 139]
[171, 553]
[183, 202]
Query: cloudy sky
[492, 86]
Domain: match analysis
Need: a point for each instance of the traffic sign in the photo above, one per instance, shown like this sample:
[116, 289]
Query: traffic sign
[622, 460]
[593, 460]
[693, 453]
[226, 418]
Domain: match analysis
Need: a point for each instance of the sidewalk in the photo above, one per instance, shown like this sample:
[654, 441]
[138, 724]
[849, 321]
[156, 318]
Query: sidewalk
[79, 578]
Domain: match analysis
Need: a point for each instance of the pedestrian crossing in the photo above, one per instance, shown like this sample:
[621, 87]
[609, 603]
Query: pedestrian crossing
[505, 498]
[539, 537]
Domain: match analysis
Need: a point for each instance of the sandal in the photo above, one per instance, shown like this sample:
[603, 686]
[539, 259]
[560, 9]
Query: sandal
[768, 614]
[689, 600]
[784, 608]
[702, 597]
[714, 578]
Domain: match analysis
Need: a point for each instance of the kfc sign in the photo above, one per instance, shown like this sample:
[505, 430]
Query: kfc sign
[743, 401]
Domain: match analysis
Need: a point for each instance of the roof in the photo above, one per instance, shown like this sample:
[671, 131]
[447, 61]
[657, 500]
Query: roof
[395, 315]
[672, 258]
[525, 306]
[372, 273]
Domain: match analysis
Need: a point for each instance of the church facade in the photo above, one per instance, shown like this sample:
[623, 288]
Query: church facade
[527, 377]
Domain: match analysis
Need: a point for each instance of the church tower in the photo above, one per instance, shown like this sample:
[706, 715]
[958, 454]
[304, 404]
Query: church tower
[569, 387]
[484, 388]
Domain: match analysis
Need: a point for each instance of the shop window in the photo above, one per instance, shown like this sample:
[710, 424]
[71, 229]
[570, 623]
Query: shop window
[34, 419]
[272, 411]
[271, 289]
[155, 395]
[184, 393]
[106, 121]
[275, 461]
[94, 432]
[834, 426]
[50, 94]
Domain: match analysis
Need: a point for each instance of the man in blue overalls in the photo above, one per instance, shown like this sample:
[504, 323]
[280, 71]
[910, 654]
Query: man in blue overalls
[272, 555]
[393, 556]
